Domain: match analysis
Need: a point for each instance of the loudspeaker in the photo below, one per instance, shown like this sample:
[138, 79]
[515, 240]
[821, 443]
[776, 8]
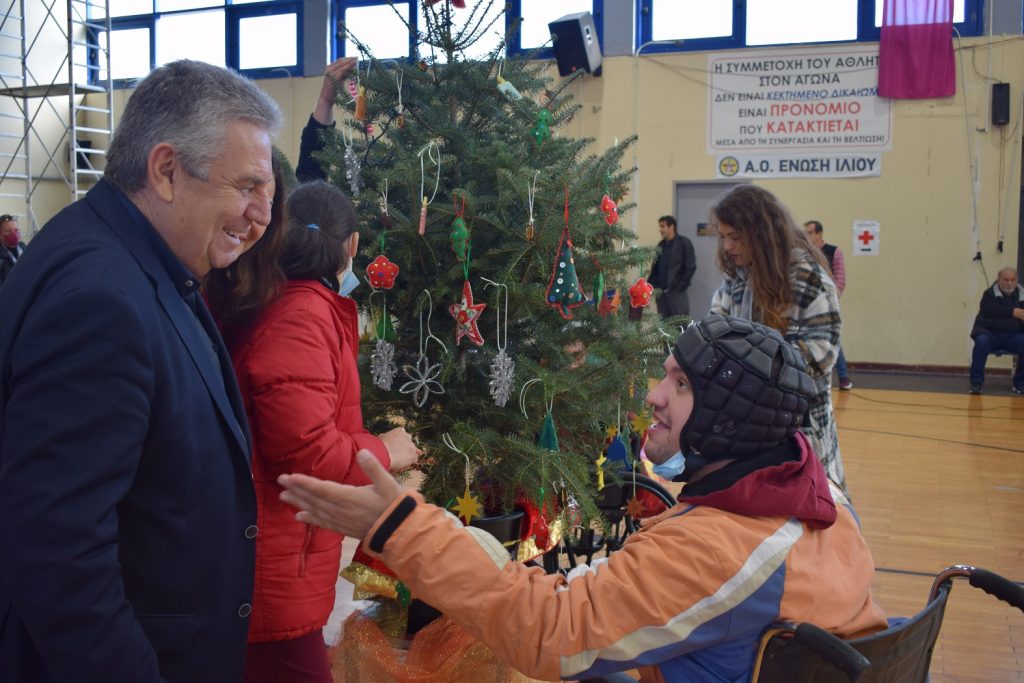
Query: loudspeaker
[1000, 104]
[574, 38]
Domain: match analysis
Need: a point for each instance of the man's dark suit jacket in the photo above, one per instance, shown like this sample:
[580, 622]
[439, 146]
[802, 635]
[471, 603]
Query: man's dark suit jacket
[126, 499]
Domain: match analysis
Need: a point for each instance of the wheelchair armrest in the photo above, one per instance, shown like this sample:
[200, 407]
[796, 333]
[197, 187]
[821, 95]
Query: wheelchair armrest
[996, 585]
[832, 649]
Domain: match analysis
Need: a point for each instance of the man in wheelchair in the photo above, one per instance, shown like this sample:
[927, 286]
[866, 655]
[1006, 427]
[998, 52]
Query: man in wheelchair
[758, 536]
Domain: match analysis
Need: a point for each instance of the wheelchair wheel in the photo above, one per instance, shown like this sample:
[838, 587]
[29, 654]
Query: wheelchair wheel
[623, 507]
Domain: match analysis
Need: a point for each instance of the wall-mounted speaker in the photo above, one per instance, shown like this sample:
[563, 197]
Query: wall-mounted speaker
[574, 38]
[1000, 104]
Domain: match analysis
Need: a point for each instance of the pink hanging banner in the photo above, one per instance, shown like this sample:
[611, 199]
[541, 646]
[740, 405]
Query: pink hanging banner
[916, 53]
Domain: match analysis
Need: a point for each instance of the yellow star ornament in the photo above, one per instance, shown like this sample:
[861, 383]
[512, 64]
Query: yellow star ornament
[467, 506]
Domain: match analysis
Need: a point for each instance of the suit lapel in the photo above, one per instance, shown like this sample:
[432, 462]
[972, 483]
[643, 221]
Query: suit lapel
[204, 349]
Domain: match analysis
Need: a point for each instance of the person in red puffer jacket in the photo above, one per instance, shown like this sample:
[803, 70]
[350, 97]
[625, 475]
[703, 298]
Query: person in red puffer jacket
[296, 367]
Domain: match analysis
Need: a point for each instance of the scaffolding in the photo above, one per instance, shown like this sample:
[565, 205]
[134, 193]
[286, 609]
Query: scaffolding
[56, 111]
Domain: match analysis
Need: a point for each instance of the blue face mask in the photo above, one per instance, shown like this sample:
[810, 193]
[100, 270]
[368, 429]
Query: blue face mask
[672, 467]
[349, 281]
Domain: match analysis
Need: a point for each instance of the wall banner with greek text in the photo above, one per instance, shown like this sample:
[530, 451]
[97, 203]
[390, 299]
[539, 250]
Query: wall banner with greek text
[815, 99]
[743, 165]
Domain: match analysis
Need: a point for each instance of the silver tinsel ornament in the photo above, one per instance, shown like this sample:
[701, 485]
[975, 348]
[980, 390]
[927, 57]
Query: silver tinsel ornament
[382, 364]
[353, 166]
[503, 370]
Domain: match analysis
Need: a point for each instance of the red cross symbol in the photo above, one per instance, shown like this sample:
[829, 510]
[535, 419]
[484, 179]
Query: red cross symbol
[866, 238]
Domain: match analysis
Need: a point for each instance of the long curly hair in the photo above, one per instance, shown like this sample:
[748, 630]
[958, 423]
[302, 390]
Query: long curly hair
[768, 229]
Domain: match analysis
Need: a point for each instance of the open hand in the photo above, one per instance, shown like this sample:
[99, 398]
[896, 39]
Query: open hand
[349, 510]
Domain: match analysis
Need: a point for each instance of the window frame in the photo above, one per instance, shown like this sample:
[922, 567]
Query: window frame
[233, 14]
[867, 32]
[338, 8]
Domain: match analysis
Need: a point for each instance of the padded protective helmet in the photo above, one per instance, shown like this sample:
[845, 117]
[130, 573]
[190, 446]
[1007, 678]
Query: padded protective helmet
[750, 389]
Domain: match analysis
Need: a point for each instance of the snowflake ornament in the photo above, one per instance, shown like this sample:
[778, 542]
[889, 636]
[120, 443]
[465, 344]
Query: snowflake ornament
[382, 364]
[503, 370]
[422, 380]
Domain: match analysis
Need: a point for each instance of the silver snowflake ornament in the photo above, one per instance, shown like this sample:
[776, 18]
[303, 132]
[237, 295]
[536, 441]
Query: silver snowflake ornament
[503, 370]
[382, 364]
[422, 380]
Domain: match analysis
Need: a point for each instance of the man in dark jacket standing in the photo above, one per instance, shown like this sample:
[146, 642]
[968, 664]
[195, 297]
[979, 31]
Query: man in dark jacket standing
[999, 327]
[127, 509]
[673, 269]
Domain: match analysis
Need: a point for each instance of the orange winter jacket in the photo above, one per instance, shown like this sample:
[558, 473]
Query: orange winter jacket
[297, 373]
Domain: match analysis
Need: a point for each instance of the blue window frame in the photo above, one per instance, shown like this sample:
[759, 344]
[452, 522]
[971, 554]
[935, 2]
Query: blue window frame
[363, 12]
[248, 27]
[731, 32]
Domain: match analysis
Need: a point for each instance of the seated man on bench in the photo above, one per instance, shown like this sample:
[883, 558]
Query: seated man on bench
[999, 328]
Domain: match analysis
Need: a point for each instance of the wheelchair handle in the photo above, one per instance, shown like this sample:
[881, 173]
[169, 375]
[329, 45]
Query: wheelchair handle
[998, 586]
[832, 649]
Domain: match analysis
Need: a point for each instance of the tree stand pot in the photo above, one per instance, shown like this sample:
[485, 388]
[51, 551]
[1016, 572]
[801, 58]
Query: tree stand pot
[505, 528]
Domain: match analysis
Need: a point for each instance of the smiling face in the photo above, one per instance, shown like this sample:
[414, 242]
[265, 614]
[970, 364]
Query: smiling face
[735, 245]
[215, 221]
[671, 403]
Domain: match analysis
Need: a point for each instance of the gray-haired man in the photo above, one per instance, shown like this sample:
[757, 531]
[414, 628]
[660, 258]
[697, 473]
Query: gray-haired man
[126, 505]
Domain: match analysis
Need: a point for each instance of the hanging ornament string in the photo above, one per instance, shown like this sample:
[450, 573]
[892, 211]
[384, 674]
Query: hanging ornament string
[503, 368]
[434, 154]
[467, 506]
[399, 109]
[385, 216]
[383, 369]
[531, 193]
[423, 376]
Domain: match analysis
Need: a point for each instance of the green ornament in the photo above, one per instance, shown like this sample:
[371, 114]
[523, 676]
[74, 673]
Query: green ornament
[541, 130]
[403, 594]
[385, 329]
[599, 286]
[564, 291]
[548, 438]
[460, 238]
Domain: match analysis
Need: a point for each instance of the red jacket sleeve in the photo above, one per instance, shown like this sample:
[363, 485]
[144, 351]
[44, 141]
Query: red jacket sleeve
[304, 402]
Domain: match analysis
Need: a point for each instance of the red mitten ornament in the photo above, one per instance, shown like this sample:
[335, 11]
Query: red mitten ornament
[467, 317]
[640, 293]
[382, 272]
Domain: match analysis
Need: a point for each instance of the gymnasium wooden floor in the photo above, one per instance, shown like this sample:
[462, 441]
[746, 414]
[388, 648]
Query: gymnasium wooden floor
[937, 479]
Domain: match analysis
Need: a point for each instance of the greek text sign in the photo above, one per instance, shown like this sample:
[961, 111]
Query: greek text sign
[818, 99]
[743, 165]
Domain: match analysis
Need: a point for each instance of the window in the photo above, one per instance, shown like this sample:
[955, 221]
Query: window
[257, 37]
[727, 24]
[380, 28]
[384, 32]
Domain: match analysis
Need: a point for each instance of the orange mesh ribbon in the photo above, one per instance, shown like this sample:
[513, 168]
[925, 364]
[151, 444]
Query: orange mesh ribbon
[440, 653]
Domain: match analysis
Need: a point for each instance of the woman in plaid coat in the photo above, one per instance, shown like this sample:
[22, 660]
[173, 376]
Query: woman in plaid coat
[775, 276]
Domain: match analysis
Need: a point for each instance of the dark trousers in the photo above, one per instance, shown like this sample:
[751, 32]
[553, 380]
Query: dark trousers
[299, 660]
[989, 342]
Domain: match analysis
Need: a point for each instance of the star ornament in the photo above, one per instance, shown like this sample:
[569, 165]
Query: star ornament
[467, 317]
[467, 506]
[634, 508]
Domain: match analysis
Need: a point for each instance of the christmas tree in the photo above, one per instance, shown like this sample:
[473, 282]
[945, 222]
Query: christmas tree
[498, 271]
